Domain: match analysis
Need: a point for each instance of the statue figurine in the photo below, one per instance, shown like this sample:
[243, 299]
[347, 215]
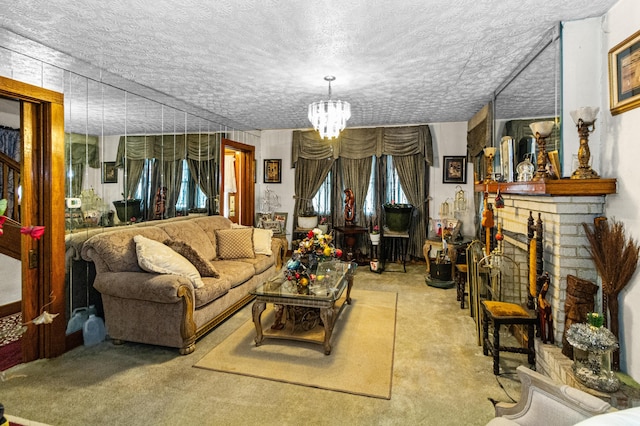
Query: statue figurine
[544, 310]
[349, 207]
[161, 199]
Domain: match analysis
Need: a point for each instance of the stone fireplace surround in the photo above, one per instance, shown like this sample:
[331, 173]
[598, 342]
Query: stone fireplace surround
[563, 207]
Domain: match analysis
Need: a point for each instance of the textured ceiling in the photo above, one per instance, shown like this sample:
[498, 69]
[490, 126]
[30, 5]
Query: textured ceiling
[260, 63]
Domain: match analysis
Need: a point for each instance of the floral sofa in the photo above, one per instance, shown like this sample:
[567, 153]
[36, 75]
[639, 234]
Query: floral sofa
[170, 283]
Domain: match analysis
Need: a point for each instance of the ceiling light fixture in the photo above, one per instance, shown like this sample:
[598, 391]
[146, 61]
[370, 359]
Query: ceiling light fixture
[329, 117]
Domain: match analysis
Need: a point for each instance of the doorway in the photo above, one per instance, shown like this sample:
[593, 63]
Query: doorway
[237, 167]
[41, 181]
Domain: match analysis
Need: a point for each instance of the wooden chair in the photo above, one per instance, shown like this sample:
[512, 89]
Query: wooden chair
[497, 313]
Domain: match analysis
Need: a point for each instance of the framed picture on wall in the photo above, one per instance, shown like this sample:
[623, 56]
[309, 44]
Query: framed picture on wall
[624, 69]
[272, 172]
[109, 172]
[454, 169]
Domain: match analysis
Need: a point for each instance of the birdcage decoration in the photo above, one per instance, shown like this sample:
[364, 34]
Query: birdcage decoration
[460, 201]
[445, 209]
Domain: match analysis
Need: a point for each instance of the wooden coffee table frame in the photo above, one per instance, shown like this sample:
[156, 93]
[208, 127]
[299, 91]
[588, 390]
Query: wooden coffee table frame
[330, 309]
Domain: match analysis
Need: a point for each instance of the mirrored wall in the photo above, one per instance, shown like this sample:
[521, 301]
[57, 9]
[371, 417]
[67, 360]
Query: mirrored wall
[531, 93]
[132, 155]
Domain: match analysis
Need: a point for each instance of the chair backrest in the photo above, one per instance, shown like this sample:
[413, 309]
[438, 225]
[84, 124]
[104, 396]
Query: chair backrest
[503, 277]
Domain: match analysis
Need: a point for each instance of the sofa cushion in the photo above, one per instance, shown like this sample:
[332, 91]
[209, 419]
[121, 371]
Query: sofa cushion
[205, 268]
[191, 234]
[212, 289]
[260, 263]
[262, 241]
[153, 256]
[236, 271]
[234, 243]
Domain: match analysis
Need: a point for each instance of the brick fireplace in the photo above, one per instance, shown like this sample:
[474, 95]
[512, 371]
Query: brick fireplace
[563, 205]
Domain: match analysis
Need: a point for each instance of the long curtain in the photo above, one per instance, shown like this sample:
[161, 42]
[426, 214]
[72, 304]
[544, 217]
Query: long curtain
[205, 175]
[412, 171]
[309, 176]
[165, 174]
[355, 175]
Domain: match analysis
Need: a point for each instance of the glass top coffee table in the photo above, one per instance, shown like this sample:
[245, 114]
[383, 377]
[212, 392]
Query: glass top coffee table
[305, 317]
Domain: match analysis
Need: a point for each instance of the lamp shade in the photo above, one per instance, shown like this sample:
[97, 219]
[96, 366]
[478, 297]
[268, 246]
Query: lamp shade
[542, 128]
[489, 151]
[587, 114]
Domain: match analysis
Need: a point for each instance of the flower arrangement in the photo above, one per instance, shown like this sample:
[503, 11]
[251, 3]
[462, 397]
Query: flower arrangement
[323, 220]
[376, 230]
[315, 247]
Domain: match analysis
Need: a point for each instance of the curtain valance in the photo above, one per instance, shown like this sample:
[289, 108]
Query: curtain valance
[362, 143]
[479, 130]
[198, 147]
[81, 149]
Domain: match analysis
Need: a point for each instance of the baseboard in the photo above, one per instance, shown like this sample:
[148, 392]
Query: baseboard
[10, 308]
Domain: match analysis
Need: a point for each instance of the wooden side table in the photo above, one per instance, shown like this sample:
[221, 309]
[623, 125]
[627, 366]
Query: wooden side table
[349, 239]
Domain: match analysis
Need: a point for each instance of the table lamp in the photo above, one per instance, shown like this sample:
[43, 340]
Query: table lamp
[585, 119]
[541, 130]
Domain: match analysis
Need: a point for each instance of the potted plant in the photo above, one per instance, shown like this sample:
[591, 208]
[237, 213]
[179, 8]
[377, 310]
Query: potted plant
[307, 218]
[397, 216]
[374, 235]
[129, 209]
[323, 224]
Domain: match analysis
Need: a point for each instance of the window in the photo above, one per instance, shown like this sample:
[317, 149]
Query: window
[199, 200]
[393, 192]
[322, 199]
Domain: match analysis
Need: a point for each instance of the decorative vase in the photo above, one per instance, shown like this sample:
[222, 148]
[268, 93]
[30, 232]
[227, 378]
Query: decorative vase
[307, 222]
[324, 228]
[375, 239]
[398, 217]
[128, 210]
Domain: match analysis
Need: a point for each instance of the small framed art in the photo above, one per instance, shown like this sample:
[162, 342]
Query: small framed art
[272, 171]
[624, 68]
[454, 169]
[109, 172]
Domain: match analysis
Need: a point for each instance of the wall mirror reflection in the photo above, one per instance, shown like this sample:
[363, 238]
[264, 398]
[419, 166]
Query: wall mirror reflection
[531, 93]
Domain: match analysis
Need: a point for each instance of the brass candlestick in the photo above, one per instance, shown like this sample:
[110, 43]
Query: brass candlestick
[585, 119]
[542, 130]
[489, 153]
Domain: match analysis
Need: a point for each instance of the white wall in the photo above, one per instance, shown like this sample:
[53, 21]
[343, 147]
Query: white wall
[448, 139]
[619, 156]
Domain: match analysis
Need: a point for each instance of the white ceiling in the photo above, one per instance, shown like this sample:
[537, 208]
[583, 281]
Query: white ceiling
[261, 62]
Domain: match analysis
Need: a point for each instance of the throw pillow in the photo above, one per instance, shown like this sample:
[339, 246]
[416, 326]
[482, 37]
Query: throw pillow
[235, 243]
[153, 256]
[262, 241]
[204, 267]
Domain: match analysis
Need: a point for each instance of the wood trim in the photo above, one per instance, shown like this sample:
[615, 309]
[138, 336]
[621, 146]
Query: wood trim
[556, 187]
[246, 204]
[10, 308]
[42, 174]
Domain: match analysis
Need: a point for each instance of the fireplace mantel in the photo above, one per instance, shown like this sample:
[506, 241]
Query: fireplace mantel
[556, 187]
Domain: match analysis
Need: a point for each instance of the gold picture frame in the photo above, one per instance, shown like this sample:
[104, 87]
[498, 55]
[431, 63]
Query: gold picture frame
[272, 171]
[109, 172]
[624, 75]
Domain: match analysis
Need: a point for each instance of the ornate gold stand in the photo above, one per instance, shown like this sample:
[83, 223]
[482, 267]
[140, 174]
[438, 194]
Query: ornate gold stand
[584, 170]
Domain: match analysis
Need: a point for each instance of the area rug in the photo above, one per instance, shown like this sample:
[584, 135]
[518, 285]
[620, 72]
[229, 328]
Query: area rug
[361, 360]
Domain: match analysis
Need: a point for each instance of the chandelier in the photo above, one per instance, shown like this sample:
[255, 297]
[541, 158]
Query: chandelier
[329, 117]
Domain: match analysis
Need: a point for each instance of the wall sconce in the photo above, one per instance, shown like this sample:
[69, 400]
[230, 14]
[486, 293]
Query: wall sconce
[541, 130]
[489, 153]
[585, 119]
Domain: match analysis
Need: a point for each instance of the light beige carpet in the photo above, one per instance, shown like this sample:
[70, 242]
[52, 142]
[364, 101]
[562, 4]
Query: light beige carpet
[361, 359]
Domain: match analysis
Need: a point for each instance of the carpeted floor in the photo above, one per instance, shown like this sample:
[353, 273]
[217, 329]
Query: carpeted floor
[367, 326]
[440, 376]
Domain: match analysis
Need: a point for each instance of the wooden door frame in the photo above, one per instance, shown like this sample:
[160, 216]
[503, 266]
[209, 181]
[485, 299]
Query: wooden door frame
[42, 181]
[246, 179]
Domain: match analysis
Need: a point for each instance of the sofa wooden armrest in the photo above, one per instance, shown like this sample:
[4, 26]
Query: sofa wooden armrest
[545, 402]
